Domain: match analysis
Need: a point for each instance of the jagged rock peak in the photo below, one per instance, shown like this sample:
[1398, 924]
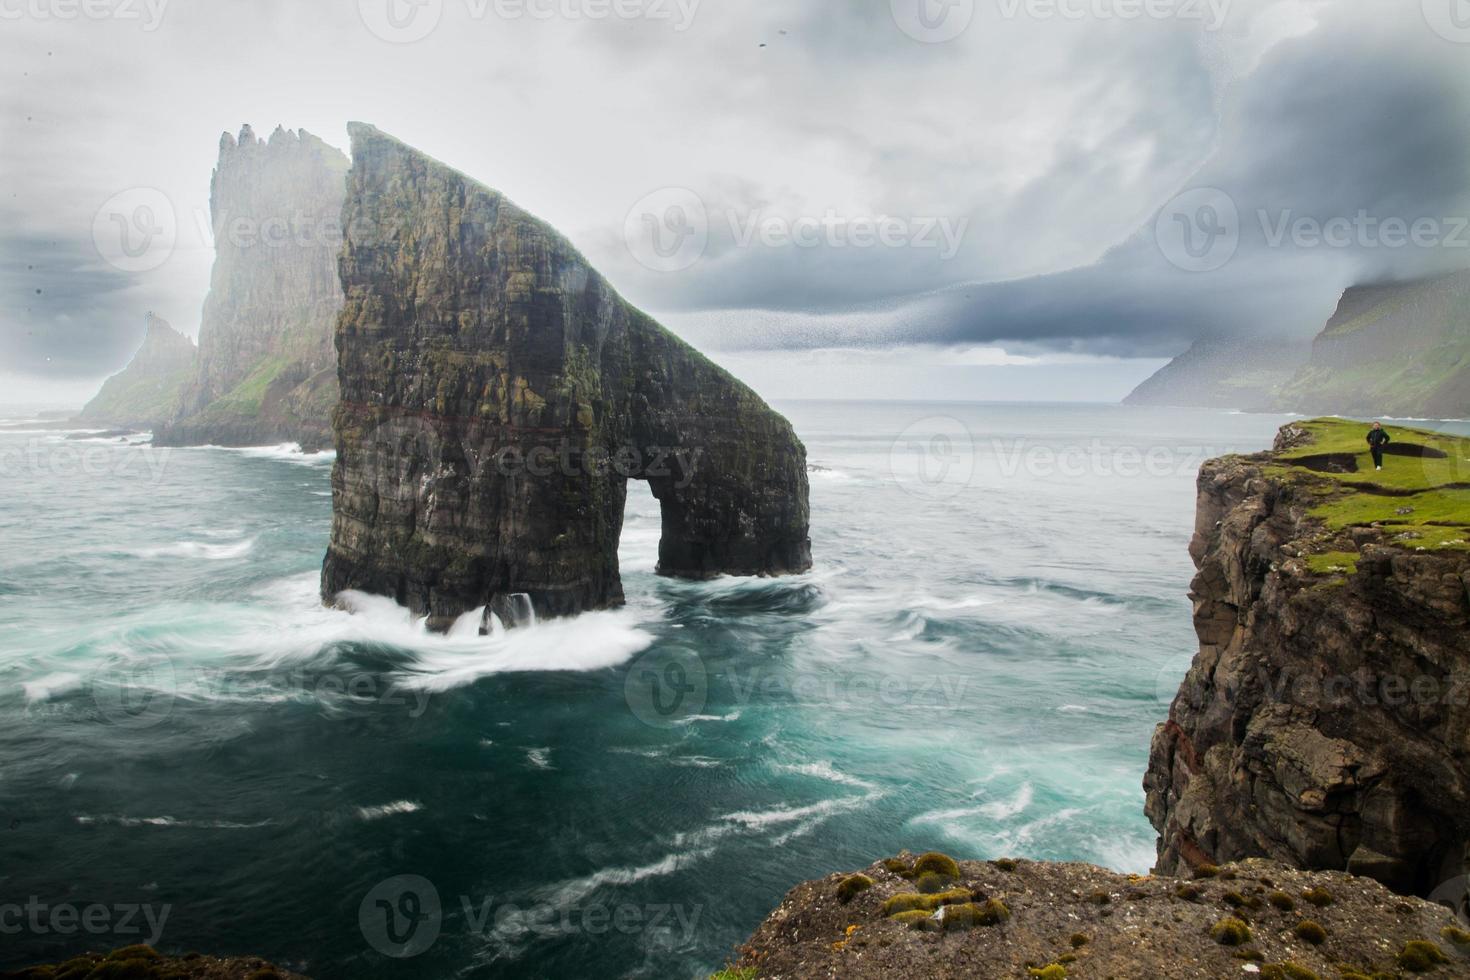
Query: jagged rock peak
[265, 333]
[474, 335]
[280, 139]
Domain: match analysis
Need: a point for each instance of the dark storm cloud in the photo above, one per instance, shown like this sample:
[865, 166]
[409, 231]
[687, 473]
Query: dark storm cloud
[1028, 159]
[1344, 124]
[65, 313]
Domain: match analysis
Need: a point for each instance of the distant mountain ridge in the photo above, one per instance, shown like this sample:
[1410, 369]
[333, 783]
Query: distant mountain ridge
[145, 394]
[1243, 373]
[1391, 349]
[1399, 349]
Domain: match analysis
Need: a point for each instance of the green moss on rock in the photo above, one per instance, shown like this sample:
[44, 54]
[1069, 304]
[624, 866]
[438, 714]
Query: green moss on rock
[1420, 956]
[852, 886]
[1230, 932]
[1319, 897]
[936, 863]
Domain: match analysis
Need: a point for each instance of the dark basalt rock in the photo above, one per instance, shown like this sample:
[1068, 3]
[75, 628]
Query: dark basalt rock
[497, 394]
[1323, 722]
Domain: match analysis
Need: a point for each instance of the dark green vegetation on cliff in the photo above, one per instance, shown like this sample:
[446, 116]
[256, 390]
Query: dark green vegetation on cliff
[1400, 350]
[496, 396]
[146, 393]
[1323, 720]
[1421, 498]
[266, 370]
[144, 963]
[1027, 919]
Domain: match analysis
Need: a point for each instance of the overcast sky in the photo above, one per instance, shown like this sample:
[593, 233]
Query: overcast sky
[883, 198]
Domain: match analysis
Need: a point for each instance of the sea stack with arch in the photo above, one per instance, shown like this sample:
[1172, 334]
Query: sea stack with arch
[497, 394]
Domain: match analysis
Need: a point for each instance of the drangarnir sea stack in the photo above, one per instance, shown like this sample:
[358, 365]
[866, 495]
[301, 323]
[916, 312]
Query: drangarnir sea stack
[497, 394]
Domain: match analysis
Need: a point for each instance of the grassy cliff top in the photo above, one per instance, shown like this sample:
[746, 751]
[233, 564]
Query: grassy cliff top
[1424, 486]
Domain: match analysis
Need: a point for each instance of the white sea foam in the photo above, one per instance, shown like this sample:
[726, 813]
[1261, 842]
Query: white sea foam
[297, 627]
[288, 452]
[47, 687]
[167, 821]
[691, 719]
[825, 770]
[1006, 809]
[539, 758]
[198, 549]
[570, 892]
[396, 808]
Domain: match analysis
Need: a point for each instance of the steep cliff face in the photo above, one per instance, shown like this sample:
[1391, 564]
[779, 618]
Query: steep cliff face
[1323, 722]
[497, 394]
[267, 368]
[1401, 349]
[1242, 373]
[146, 393]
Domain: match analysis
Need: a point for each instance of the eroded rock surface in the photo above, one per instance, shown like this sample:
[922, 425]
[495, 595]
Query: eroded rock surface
[1027, 919]
[1324, 720]
[497, 394]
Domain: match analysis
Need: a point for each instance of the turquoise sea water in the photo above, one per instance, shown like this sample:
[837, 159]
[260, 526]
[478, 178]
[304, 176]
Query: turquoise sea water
[996, 621]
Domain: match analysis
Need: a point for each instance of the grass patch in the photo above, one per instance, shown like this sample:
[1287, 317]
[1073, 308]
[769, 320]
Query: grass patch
[1426, 495]
[1334, 563]
[734, 973]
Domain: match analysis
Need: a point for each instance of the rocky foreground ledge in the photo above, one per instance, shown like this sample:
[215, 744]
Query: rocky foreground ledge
[146, 963]
[929, 916]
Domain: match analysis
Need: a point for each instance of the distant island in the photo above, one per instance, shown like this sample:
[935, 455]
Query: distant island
[1398, 350]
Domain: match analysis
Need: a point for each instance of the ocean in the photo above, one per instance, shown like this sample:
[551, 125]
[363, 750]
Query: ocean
[195, 752]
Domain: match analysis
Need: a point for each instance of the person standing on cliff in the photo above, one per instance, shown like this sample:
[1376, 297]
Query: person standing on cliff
[1378, 437]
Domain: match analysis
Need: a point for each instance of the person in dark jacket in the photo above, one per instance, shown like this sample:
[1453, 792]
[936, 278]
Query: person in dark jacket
[1378, 437]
